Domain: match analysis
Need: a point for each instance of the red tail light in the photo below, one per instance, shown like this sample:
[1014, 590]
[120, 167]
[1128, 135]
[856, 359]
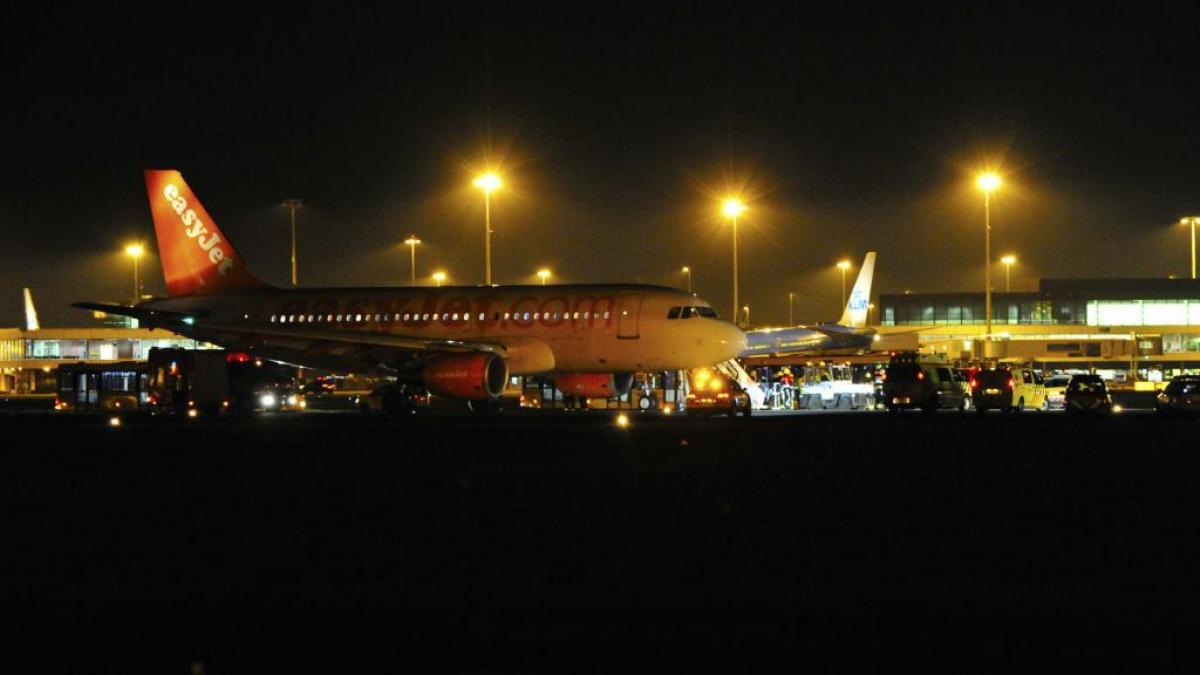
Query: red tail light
[1010, 384]
[974, 383]
[920, 374]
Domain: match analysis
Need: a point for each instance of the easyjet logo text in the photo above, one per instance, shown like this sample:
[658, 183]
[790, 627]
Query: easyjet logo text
[195, 229]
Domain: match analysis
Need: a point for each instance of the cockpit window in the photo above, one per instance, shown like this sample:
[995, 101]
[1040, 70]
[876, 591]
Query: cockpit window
[691, 312]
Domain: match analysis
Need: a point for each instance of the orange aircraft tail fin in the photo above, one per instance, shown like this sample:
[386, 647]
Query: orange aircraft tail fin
[196, 256]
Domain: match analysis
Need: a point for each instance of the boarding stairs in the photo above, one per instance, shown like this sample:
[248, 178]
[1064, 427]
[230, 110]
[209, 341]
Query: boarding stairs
[734, 370]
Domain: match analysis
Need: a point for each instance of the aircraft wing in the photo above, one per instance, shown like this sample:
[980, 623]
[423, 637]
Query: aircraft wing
[838, 331]
[150, 317]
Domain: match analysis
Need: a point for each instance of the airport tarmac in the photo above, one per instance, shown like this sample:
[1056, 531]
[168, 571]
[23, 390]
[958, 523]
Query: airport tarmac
[551, 540]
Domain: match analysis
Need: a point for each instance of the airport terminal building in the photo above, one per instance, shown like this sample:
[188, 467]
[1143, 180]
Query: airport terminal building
[29, 358]
[1151, 326]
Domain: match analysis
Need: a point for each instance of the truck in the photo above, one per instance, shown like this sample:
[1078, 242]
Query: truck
[215, 380]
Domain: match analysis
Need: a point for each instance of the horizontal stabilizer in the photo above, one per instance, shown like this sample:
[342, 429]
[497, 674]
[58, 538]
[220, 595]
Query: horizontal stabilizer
[150, 317]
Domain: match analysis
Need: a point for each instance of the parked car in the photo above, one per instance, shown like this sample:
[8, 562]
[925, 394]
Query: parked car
[1181, 395]
[1087, 394]
[910, 384]
[1056, 389]
[965, 377]
[1008, 390]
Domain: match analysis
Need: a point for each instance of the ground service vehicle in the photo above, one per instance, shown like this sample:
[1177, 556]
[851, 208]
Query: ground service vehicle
[712, 393]
[213, 380]
[184, 378]
[1087, 394]
[909, 383]
[101, 386]
[1008, 390]
[1181, 395]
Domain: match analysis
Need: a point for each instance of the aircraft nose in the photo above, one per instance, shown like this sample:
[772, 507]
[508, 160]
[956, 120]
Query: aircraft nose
[728, 342]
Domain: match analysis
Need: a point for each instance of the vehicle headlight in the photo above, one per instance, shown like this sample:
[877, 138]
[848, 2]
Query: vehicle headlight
[291, 400]
[267, 400]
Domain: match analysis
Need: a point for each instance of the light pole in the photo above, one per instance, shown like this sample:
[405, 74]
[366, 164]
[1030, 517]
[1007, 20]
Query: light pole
[135, 251]
[870, 308]
[1192, 220]
[292, 204]
[688, 271]
[843, 266]
[791, 309]
[746, 311]
[438, 278]
[987, 182]
[487, 182]
[412, 242]
[543, 274]
[732, 208]
[1008, 261]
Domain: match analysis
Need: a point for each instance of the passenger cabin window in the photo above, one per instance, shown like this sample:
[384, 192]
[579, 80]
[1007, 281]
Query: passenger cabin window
[944, 375]
[673, 313]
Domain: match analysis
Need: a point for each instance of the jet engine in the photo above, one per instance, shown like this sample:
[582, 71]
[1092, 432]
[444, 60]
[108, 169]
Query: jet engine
[469, 377]
[595, 385]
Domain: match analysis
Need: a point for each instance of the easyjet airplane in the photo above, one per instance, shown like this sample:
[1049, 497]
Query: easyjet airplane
[460, 342]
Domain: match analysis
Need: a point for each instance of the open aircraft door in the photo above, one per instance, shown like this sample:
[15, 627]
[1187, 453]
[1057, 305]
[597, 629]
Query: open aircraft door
[628, 310]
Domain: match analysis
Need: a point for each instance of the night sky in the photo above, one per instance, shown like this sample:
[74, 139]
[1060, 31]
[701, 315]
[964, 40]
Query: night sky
[618, 128]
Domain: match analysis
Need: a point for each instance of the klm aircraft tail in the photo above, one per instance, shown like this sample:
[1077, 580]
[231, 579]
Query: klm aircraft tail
[31, 320]
[855, 315]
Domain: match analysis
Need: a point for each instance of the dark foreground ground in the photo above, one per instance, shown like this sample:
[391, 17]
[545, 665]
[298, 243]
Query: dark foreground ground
[557, 541]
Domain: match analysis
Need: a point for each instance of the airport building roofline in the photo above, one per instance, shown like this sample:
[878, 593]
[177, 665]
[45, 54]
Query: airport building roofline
[1084, 288]
[87, 332]
[1156, 287]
